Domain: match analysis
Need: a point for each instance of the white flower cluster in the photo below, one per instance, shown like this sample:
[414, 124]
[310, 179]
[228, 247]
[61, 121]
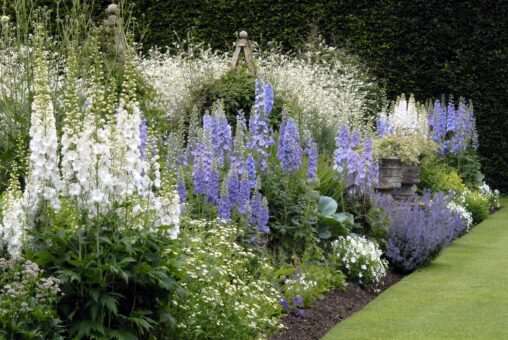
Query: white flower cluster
[492, 195]
[175, 76]
[43, 182]
[102, 162]
[360, 259]
[331, 93]
[407, 116]
[299, 284]
[13, 220]
[226, 297]
[464, 213]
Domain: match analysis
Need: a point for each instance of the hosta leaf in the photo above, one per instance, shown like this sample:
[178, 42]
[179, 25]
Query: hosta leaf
[327, 205]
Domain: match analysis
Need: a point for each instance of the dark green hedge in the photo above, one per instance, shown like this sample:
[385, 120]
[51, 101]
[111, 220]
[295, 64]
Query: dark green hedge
[427, 47]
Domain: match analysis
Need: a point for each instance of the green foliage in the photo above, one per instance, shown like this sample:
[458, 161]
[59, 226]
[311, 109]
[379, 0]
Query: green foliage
[235, 89]
[293, 211]
[469, 168]
[409, 148]
[436, 175]
[478, 205]
[309, 280]
[117, 282]
[332, 224]
[230, 293]
[27, 301]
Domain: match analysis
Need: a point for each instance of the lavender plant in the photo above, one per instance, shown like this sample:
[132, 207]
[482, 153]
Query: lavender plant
[419, 232]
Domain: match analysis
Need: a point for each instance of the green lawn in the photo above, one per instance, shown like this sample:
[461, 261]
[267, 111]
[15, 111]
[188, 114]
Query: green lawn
[463, 294]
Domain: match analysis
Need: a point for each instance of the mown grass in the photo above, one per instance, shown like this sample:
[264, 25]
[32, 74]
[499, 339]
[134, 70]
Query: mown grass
[463, 294]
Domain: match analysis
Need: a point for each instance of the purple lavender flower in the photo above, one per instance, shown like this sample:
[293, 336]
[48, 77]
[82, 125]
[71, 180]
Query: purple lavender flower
[290, 152]
[255, 206]
[221, 137]
[383, 127]
[233, 187]
[284, 303]
[268, 97]
[143, 135]
[250, 165]
[260, 134]
[263, 217]
[201, 168]
[298, 301]
[359, 173]
[224, 203]
[311, 151]
[419, 232]
[244, 193]
[212, 191]
[182, 192]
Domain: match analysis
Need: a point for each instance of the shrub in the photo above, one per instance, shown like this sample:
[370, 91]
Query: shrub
[409, 148]
[307, 281]
[116, 281]
[436, 175]
[359, 258]
[492, 195]
[477, 204]
[419, 232]
[229, 293]
[27, 301]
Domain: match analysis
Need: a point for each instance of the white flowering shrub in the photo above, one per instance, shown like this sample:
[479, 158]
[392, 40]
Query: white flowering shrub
[492, 195]
[464, 213]
[229, 294]
[328, 92]
[360, 259]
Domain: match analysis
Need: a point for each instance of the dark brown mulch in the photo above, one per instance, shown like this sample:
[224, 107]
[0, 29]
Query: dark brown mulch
[336, 306]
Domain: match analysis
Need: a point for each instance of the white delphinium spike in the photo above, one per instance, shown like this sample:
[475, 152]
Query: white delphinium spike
[13, 219]
[408, 116]
[72, 126]
[167, 209]
[43, 182]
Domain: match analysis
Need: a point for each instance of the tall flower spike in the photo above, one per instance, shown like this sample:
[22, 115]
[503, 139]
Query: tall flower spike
[311, 151]
[264, 216]
[250, 165]
[224, 212]
[13, 218]
[43, 181]
[244, 193]
[233, 187]
[72, 123]
[290, 154]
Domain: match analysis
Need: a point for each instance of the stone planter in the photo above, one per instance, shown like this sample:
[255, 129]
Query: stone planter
[410, 177]
[390, 174]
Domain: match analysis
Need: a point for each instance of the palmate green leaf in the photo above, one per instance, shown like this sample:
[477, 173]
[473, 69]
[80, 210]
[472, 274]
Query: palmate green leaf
[68, 276]
[110, 302]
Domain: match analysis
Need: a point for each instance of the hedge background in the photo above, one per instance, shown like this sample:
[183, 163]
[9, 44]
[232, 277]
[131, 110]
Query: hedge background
[425, 47]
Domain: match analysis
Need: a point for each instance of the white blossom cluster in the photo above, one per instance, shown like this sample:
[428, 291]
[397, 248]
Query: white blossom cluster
[225, 296]
[492, 195]
[43, 182]
[12, 220]
[329, 92]
[360, 259]
[406, 116]
[102, 161]
[464, 213]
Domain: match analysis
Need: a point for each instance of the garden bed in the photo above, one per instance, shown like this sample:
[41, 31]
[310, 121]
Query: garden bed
[335, 307]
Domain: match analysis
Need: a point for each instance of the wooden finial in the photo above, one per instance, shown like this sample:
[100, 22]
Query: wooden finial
[243, 45]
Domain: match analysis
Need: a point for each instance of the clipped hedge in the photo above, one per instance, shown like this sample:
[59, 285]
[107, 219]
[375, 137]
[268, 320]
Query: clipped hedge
[427, 47]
